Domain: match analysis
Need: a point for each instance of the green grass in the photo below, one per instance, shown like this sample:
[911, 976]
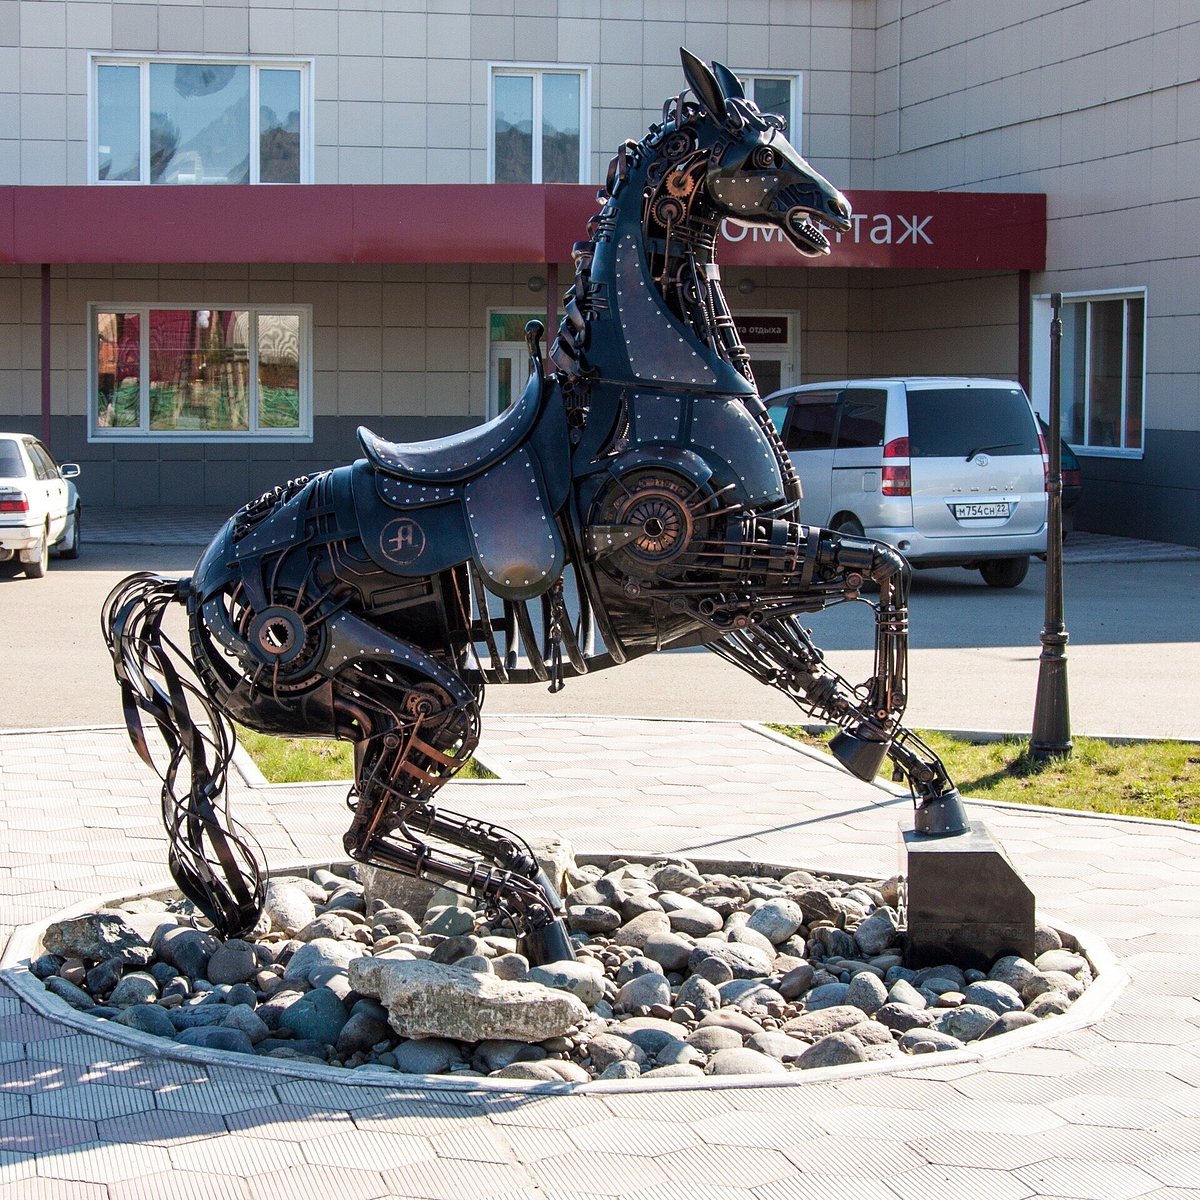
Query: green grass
[314, 760]
[1145, 779]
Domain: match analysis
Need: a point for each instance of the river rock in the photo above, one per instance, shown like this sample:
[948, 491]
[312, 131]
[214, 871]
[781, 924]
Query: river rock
[699, 995]
[742, 1061]
[319, 956]
[877, 932]
[593, 918]
[776, 1045]
[635, 932]
[833, 1050]
[777, 920]
[427, 1056]
[187, 950]
[607, 1048]
[744, 962]
[675, 877]
[815, 1025]
[148, 1018]
[1049, 1004]
[827, 995]
[288, 907]
[999, 997]
[747, 993]
[326, 925]
[243, 1017]
[215, 1037]
[138, 987]
[1008, 1021]
[1013, 970]
[577, 977]
[426, 999]
[903, 1017]
[929, 1041]
[95, 937]
[643, 991]
[866, 991]
[233, 962]
[967, 1022]
[74, 995]
[318, 1015]
[903, 992]
[1060, 960]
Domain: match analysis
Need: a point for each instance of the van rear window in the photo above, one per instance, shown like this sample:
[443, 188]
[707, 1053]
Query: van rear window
[963, 422]
[12, 465]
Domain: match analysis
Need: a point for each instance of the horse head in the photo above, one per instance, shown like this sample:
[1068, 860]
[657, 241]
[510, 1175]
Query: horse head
[752, 173]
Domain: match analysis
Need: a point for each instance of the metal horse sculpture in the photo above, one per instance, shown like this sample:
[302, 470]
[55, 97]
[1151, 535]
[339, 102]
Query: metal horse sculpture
[372, 602]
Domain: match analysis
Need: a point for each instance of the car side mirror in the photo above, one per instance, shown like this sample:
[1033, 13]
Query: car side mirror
[69, 470]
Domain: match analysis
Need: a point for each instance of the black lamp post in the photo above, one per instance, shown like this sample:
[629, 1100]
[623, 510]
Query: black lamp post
[1052, 712]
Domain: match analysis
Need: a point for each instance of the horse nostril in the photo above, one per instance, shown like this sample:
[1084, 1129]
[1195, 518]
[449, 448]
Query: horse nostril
[839, 208]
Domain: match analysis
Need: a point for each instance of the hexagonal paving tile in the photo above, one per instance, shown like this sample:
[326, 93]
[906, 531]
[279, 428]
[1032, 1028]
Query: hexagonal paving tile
[91, 1103]
[104, 1162]
[1089, 1179]
[356, 1147]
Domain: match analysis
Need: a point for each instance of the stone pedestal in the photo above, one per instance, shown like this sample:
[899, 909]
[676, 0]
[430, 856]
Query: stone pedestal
[966, 902]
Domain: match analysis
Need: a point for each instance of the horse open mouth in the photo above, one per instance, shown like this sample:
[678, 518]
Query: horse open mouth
[803, 233]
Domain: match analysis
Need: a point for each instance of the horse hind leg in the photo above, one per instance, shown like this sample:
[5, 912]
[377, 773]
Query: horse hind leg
[414, 732]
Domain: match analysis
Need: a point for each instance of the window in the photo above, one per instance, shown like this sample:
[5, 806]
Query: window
[813, 421]
[861, 425]
[1103, 371]
[201, 373]
[961, 422]
[777, 92]
[539, 130]
[163, 120]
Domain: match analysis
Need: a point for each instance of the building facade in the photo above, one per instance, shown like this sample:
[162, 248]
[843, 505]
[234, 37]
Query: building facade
[231, 233]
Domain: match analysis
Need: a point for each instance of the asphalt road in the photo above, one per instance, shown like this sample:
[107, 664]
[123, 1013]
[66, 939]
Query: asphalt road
[1133, 658]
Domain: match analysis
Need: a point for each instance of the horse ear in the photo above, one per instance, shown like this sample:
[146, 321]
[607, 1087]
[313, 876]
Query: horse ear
[704, 83]
[731, 85]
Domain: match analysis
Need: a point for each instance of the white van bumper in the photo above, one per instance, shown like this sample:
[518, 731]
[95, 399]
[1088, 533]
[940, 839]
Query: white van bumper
[924, 551]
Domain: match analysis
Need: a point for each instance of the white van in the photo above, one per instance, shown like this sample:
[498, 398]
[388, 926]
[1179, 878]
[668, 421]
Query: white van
[951, 471]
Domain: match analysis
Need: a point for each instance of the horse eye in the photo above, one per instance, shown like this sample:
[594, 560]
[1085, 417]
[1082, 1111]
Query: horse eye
[763, 157]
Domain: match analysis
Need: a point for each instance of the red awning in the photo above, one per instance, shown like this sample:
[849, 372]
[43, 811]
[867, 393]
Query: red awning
[464, 223]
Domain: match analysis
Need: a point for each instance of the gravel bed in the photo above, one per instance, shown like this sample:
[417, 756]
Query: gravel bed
[680, 972]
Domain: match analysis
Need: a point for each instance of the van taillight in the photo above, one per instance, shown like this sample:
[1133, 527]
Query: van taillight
[897, 473]
[14, 502]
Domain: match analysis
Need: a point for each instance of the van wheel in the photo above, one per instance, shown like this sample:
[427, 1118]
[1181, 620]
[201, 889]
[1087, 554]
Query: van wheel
[1004, 572]
[846, 524]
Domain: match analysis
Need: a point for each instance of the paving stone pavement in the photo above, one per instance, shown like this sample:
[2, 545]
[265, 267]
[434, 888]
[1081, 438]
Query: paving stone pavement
[1107, 1112]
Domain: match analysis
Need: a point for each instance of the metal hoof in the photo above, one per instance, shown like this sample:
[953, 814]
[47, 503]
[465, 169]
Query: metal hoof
[547, 944]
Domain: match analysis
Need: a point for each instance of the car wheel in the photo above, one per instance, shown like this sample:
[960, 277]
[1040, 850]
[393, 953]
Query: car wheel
[69, 546]
[845, 524]
[39, 566]
[1004, 572]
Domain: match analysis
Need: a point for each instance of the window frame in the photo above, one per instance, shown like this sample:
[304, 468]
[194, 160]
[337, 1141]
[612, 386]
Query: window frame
[256, 433]
[256, 62]
[795, 79]
[1040, 317]
[538, 71]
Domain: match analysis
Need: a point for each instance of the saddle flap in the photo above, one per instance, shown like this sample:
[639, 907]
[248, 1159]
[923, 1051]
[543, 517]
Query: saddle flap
[514, 536]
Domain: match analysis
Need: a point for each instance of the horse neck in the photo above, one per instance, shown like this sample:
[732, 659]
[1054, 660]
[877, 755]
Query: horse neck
[679, 273]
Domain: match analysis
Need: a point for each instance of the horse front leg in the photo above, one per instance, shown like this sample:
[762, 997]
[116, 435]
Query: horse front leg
[780, 652]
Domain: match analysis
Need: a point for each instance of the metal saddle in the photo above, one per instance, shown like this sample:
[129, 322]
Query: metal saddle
[462, 456]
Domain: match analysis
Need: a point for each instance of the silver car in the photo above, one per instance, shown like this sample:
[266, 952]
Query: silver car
[949, 470]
